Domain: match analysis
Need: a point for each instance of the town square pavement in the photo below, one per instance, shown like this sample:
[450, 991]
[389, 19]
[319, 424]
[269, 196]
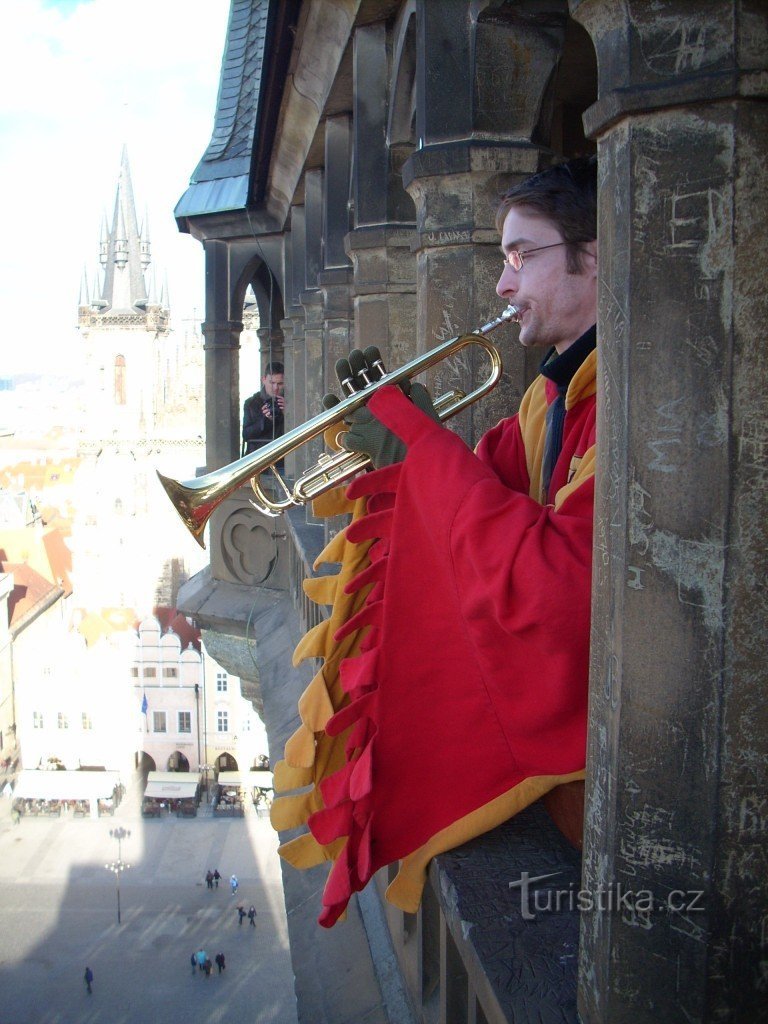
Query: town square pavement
[58, 913]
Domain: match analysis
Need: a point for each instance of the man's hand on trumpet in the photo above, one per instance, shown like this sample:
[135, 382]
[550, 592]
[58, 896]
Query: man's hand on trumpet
[365, 433]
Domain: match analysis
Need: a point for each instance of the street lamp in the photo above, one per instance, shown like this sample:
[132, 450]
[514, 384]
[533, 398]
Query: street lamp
[119, 865]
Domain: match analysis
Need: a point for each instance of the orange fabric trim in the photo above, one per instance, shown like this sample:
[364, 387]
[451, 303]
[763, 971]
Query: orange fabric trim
[406, 889]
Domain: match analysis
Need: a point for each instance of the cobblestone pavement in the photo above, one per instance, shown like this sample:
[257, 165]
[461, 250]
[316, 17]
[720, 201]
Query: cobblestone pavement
[58, 913]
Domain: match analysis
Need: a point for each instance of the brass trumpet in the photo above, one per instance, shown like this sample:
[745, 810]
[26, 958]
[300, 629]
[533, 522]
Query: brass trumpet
[195, 500]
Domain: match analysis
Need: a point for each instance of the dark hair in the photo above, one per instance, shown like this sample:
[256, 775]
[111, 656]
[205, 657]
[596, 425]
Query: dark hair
[271, 368]
[566, 195]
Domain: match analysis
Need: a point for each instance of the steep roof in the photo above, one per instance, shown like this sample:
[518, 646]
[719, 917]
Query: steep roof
[30, 596]
[44, 551]
[257, 44]
[170, 618]
[125, 253]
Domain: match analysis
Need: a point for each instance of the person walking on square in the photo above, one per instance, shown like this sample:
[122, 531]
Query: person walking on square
[88, 979]
[252, 915]
[201, 957]
[193, 961]
[220, 962]
[207, 967]
[233, 884]
[240, 914]
[216, 877]
[209, 879]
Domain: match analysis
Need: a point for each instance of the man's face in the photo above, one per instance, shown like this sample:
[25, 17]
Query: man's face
[556, 307]
[273, 384]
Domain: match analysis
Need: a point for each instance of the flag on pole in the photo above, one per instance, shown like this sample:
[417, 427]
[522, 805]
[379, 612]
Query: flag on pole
[144, 705]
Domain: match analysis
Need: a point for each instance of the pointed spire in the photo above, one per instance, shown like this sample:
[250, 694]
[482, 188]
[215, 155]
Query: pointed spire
[165, 300]
[250, 298]
[121, 238]
[97, 302]
[125, 255]
[104, 241]
[146, 253]
[84, 299]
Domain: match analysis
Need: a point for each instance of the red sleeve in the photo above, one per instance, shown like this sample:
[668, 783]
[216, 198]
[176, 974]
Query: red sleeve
[503, 451]
[521, 571]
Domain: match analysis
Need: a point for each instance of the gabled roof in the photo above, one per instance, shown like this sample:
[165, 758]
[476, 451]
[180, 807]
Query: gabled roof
[30, 596]
[45, 551]
[170, 618]
[60, 558]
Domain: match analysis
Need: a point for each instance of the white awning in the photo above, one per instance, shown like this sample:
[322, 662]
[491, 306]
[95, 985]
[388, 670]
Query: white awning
[230, 780]
[33, 784]
[171, 785]
[260, 780]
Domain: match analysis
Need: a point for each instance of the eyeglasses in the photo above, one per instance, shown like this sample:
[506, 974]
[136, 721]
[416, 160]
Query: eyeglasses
[514, 258]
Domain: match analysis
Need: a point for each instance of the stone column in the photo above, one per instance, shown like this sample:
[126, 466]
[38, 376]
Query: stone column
[379, 245]
[222, 343]
[293, 326]
[474, 147]
[271, 346]
[335, 280]
[676, 795]
[312, 303]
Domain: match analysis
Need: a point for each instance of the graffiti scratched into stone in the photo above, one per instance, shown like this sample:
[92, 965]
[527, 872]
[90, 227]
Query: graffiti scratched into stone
[693, 219]
[685, 46]
[447, 237]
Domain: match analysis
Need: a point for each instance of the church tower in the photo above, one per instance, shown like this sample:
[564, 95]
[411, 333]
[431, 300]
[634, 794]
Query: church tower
[123, 320]
[127, 548]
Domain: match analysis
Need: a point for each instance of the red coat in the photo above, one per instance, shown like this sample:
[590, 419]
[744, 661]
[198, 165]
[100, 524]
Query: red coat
[467, 697]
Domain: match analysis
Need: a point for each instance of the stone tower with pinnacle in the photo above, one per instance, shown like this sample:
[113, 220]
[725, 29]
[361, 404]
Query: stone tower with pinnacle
[124, 319]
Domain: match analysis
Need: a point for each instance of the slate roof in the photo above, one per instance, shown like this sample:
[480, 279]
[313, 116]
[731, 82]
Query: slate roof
[221, 180]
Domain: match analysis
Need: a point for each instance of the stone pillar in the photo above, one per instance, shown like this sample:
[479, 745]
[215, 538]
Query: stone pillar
[676, 792]
[335, 280]
[312, 303]
[271, 346]
[222, 344]
[293, 326]
[379, 245]
[474, 148]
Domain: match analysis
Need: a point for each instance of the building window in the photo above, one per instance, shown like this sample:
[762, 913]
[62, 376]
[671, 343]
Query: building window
[221, 682]
[222, 721]
[158, 721]
[63, 721]
[135, 671]
[150, 672]
[87, 723]
[185, 721]
[37, 719]
[170, 672]
[246, 725]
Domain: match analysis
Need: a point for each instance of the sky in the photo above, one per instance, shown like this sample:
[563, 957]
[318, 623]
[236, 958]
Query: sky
[78, 79]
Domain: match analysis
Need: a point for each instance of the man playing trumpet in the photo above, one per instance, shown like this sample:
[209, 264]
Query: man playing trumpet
[474, 641]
